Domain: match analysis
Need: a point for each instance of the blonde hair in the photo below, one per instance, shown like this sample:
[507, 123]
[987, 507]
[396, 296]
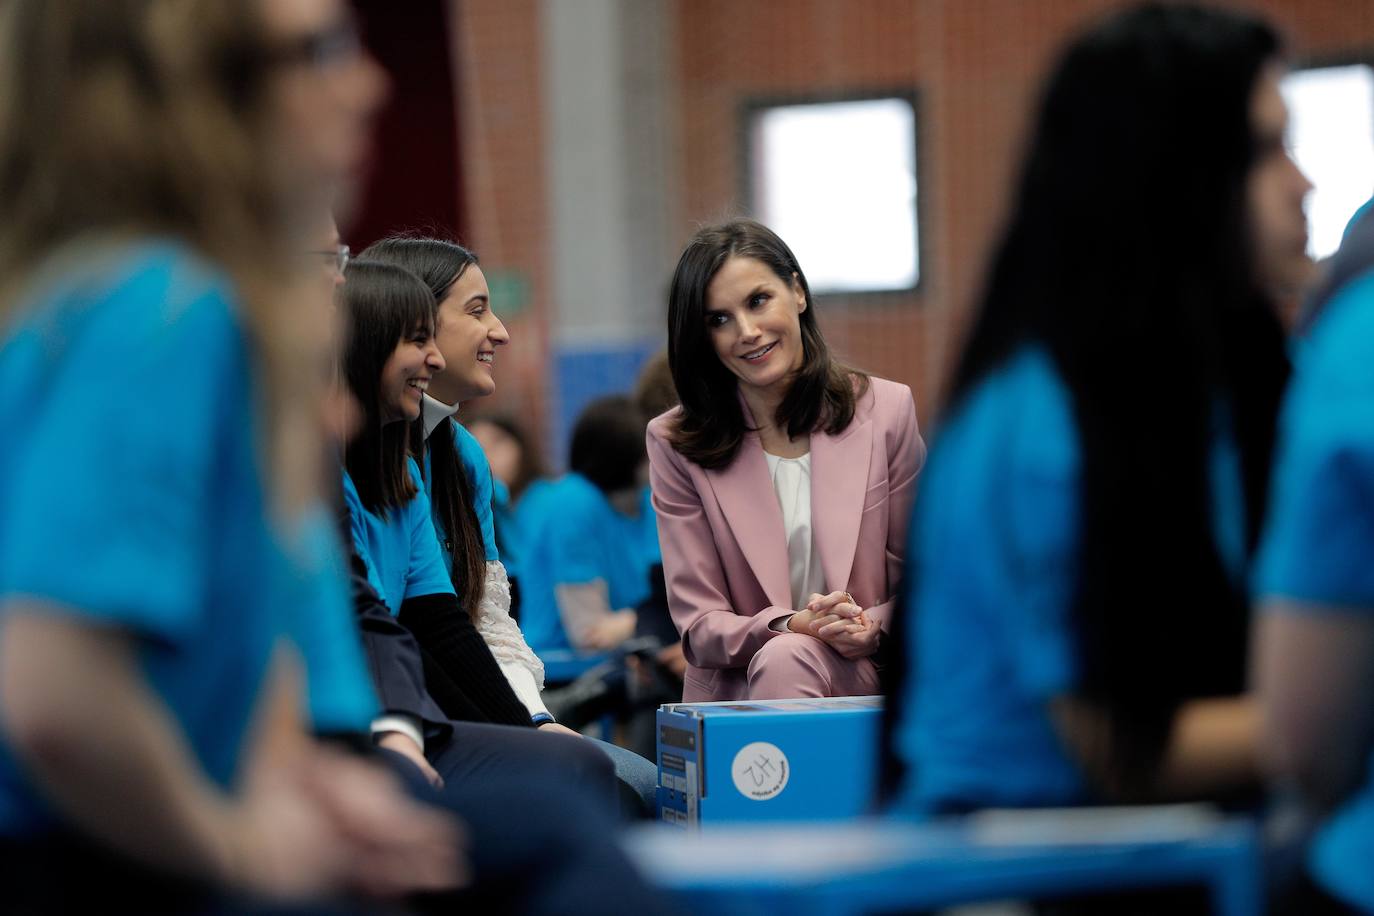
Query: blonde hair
[129, 118]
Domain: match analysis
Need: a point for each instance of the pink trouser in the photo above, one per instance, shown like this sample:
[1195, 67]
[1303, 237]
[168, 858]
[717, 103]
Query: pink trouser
[796, 665]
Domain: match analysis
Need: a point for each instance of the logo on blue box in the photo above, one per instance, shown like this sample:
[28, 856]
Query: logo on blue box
[760, 770]
[769, 760]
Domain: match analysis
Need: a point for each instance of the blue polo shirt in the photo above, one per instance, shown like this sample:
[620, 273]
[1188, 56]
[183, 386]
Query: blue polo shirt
[992, 577]
[478, 471]
[578, 537]
[401, 550]
[1320, 535]
[133, 498]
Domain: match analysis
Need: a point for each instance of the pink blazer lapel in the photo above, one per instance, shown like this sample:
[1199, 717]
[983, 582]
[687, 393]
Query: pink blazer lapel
[839, 482]
[744, 490]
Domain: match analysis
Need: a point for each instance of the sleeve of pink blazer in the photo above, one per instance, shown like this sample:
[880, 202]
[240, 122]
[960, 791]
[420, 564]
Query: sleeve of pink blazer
[906, 452]
[713, 635]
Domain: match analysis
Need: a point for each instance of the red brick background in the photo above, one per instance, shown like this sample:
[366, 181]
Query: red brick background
[975, 65]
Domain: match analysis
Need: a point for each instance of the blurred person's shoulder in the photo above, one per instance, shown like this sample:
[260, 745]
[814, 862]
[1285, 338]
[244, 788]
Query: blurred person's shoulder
[1019, 414]
[133, 286]
[1339, 347]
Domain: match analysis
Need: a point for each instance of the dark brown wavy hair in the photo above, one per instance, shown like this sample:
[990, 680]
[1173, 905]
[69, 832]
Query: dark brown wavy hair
[711, 425]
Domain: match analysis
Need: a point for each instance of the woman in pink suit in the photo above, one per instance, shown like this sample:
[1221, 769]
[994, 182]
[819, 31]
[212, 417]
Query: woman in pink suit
[782, 483]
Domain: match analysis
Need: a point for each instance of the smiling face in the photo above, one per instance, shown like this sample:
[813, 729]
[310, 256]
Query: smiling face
[753, 319]
[406, 375]
[468, 335]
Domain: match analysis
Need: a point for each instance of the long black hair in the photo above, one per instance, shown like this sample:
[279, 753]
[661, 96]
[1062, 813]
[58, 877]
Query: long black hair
[439, 264]
[711, 426]
[382, 305]
[1127, 258]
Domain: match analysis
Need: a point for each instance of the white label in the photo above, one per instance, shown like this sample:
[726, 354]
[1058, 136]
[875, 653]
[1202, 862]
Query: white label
[760, 770]
[691, 792]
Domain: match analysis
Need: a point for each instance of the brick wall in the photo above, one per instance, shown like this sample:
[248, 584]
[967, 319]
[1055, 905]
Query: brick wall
[497, 49]
[975, 64]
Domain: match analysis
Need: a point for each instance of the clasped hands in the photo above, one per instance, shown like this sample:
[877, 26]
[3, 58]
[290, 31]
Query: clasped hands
[840, 623]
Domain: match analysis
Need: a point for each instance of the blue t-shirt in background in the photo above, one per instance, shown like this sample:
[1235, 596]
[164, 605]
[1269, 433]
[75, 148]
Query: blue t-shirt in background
[401, 550]
[133, 497]
[576, 538]
[516, 520]
[1319, 539]
[991, 583]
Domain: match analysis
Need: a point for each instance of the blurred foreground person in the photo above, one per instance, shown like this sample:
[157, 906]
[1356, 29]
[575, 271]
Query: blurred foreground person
[1315, 630]
[1076, 600]
[162, 530]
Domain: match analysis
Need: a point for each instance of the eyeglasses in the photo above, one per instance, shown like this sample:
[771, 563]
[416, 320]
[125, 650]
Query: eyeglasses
[320, 49]
[337, 257]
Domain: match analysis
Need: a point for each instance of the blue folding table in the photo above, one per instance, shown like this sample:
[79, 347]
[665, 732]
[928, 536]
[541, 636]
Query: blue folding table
[884, 865]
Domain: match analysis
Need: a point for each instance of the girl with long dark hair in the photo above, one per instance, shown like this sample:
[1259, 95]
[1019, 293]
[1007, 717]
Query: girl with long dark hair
[1076, 602]
[458, 480]
[390, 359]
[457, 475]
[782, 483]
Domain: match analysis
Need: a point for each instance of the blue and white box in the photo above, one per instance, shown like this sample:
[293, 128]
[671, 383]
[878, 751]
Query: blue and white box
[767, 760]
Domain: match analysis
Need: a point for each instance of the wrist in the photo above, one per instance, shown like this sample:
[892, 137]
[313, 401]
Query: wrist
[400, 742]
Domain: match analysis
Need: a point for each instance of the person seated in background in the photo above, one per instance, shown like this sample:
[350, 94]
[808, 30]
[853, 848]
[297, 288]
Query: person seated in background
[781, 483]
[516, 472]
[458, 479]
[587, 555]
[1314, 634]
[1076, 600]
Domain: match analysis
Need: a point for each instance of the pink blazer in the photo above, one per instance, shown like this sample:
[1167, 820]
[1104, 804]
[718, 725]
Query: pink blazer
[725, 552]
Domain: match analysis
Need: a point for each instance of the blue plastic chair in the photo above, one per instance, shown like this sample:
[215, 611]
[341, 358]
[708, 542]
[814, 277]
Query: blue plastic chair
[562, 666]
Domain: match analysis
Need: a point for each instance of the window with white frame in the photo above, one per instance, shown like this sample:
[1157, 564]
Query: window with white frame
[1331, 132]
[837, 181]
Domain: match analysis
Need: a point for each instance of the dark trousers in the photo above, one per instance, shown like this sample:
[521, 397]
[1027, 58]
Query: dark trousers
[478, 752]
[536, 844]
[540, 841]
